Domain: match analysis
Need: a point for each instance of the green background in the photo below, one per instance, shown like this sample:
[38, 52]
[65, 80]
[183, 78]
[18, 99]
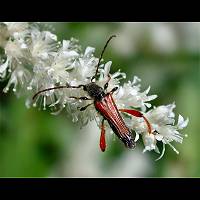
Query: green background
[165, 56]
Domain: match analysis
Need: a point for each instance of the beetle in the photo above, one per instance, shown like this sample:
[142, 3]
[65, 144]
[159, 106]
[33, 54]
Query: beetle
[105, 105]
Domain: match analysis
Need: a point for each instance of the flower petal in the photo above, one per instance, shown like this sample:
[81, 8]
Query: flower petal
[181, 122]
[89, 51]
[107, 68]
[137, 136]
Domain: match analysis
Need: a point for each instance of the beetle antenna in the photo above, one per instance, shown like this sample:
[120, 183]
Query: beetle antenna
[112, 36]
[55, 88]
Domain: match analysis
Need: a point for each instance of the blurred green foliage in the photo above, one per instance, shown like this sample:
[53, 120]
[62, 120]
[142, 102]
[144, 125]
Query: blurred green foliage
[34, 143]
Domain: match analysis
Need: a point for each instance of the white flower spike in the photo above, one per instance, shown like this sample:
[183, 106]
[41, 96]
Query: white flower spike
[37, 62]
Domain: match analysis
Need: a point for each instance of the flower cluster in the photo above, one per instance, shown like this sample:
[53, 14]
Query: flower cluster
[35, 60]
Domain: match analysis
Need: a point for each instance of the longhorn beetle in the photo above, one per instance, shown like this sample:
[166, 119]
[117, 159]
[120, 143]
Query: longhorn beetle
[105, 105]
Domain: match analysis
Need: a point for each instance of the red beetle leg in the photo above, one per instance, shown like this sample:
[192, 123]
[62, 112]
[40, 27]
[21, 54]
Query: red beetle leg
[138, 114]
[102, 143]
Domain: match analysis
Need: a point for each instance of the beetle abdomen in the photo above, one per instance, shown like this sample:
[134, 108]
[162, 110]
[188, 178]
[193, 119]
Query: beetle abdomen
[128, 140]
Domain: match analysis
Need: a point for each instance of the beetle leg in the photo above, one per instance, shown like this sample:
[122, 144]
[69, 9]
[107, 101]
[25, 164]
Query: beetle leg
[83, 108]
[138, 114]
[102, 142]
[113, 90]
[106, 84]
[80, 98]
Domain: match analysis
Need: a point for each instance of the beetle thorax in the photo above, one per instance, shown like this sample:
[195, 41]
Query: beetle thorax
[95, 91]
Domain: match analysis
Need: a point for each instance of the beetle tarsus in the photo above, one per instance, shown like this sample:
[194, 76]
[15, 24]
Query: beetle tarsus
[131, 144]
[83, 108]
[113, 90]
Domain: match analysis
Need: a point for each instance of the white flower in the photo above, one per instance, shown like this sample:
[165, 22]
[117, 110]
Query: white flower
[129, 95]
[149, 142]
[16, 27]
[162, 114]
[163, 127]
[162, 121]
[16, 34]
[19, 78]
[13, 30]
[15, 49]
[43, 45]
[114, 78]
[84, 67]
[36, 61]
[62, 62]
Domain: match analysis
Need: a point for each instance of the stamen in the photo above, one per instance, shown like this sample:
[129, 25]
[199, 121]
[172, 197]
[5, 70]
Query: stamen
[173, 147]
[162, 154]
[44, 103]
